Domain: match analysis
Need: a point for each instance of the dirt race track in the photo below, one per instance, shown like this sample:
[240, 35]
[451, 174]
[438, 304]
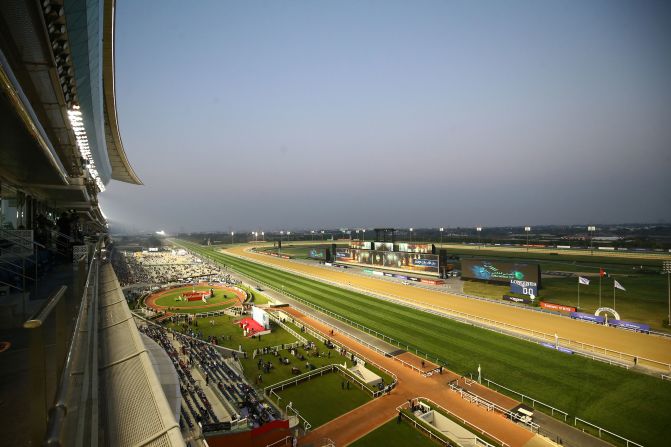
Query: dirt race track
[411, 384]
[650, 347]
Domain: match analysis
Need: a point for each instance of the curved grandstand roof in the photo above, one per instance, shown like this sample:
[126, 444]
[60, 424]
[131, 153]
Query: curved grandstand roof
[121, 168]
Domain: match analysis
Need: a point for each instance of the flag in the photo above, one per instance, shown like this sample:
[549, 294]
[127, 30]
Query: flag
[619, 286]
[582, 280]
[602, 272]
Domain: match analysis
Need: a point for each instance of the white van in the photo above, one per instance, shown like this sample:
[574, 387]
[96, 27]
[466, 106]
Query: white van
[525, 415]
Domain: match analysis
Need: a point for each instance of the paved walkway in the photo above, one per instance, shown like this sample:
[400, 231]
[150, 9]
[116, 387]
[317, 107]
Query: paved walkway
[350, 426]
[411, 384]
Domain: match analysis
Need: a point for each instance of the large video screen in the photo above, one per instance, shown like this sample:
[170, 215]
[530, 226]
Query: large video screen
[318, 253]
[501, 272]
[422, 263]
[383, 246]
[415, 248]
[366, 245]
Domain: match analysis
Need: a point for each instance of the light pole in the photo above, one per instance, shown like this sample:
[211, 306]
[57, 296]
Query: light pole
[281, 234]
[591, 229]
[666, 268]
[527, 230]
[411, 235]
[322, 235]
[479, 230]
[232, 233]
[441, 236]
[263, 238]
[364, 235]
[312, 235]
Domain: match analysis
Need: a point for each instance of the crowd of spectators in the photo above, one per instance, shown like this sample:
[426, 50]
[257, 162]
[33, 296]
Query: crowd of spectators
[190, 353]
[161, 267]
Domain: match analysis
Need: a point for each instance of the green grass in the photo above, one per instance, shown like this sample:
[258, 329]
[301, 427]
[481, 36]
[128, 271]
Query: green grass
[624, 263]
[224, 326]
[338, 358]
[393, 434]
[322, 398]
[628, 403]
[281, 372]
[483, 289]
[259, 298]
[644, 301]
[170, 298]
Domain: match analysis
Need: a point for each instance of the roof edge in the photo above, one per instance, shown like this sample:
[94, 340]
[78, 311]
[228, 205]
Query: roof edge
[125, 173]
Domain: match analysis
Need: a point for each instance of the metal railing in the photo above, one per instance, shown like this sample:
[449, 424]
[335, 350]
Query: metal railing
[492, 406]
[553, 410]
[600, 430]
[534, 402]
[269, 391]
[490, 323]
[322, 337]
[463, 422]
[66, 394]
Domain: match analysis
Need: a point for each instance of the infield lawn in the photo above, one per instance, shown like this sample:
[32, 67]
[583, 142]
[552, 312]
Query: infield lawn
[628, 403]
[322, 398]
[393, 434]
[644, 301]
[224, 327]
[172, 297]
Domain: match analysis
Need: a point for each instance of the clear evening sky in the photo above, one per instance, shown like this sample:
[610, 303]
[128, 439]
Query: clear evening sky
[310, 114]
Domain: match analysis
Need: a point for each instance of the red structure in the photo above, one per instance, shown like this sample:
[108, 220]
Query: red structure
[196, 296]
[251, 325]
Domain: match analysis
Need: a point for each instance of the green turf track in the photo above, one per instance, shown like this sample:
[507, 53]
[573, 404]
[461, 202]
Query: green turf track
[630, 404]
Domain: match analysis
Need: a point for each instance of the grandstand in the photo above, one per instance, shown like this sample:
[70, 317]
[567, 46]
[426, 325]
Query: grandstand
[74, 369]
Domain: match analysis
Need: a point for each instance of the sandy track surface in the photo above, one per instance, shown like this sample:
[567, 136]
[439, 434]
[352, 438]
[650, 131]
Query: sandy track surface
[636, 344]
[661, 256]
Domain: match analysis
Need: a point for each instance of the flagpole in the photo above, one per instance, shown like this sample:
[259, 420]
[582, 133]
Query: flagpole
[578, 292]
[613, 293]
[599, 289]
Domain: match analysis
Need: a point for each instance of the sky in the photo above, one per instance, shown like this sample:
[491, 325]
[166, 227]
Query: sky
[268, 115]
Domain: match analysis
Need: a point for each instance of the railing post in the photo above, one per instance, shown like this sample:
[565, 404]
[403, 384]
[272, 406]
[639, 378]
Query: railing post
[37, 379]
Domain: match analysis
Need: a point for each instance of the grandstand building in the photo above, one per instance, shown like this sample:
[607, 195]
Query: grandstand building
[74, 369]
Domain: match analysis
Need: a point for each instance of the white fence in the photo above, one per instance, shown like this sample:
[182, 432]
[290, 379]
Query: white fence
[550, 337]
[461, 420]
[489, 323]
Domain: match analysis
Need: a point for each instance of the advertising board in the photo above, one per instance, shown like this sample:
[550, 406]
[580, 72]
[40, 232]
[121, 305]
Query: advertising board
[501, 272]
[559, 307]
[323, 254]
[516, 299]
[523, 287]
[427, 264]
[588, 317]
[364, 245]
[260, 316]
[383, 246]
[631, 325]
[416, 248]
